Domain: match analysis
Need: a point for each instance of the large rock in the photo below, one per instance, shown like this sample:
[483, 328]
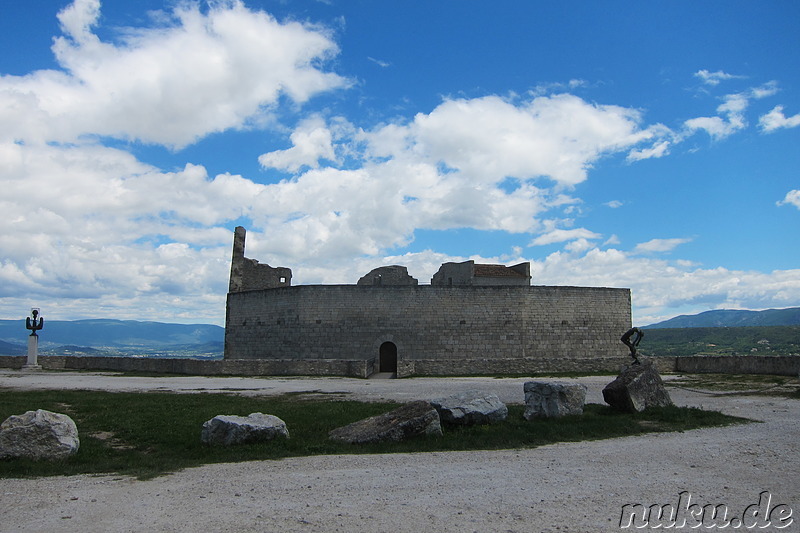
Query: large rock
[637, 388]
[547, 399]
[410, 420]
[39, 435]
[225, 430]
[470, 408]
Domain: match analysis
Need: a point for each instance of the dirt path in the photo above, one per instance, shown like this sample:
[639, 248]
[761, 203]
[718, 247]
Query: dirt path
[578, 487]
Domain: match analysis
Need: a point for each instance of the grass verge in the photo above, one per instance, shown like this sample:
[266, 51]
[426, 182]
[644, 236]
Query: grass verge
[151, 434]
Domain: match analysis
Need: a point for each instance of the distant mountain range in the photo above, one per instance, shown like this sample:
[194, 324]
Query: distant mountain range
[730, 318]
[110, 337]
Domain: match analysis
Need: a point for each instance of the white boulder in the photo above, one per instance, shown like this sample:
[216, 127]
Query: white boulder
[470, 408]
[38, 435]
[546, 399]
[226, 430]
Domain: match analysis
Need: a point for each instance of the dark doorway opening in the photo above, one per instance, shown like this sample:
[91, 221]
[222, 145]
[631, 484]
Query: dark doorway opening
[388, 357]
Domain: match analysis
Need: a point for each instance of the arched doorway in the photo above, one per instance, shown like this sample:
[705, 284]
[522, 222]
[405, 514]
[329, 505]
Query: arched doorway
[388, 358]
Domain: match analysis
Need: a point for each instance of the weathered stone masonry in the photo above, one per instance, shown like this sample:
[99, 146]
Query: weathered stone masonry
[435, 330]
[472, 319]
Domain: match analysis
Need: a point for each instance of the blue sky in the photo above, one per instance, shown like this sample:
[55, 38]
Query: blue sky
[650, 145]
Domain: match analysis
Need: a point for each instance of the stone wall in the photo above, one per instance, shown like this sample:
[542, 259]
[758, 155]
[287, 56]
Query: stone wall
[249, 274]
[198, 367]
[748, 364]
[444, 330]
[787, 365]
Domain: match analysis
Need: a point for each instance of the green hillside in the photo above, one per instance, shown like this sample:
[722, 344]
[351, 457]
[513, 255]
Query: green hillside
[753, 340]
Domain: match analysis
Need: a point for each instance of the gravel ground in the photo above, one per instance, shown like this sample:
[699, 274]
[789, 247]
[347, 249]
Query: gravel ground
[574, 487]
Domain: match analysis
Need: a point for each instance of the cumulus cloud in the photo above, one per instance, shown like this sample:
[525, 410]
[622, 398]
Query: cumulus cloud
[558, 137]
[311, 141]
[486, 163]
[775, 120]
[657, 284]
[660, 245]
[792, 198]
[89, 230]
[172, 84]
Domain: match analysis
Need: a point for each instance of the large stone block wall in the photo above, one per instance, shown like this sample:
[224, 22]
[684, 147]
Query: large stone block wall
[539, 328]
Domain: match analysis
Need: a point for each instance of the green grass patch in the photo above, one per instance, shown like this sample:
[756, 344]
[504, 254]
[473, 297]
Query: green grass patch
[150, 433]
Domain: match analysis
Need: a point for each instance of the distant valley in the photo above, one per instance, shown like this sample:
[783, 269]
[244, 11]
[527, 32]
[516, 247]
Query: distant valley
[115, 338]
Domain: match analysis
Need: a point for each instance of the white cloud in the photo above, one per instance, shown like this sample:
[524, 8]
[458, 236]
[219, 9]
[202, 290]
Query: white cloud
[311, 141]
[559, 137]
[89, 230]
[379, 62]
[657, 150]
[731, 112]
[614, 204]
[714, 78]
[660, 245]
[561, 235]
[657, 285]
[170, 85]
[775, 119]
[792, 198]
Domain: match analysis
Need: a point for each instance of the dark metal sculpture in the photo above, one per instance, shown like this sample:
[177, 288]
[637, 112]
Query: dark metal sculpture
[633, 344]
[34, 322]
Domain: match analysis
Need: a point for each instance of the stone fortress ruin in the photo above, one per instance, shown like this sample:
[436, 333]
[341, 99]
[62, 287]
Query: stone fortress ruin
[471, 319]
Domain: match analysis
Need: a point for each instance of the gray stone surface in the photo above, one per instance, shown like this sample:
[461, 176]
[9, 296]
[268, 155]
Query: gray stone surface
[470, 408]
[38, 435]
[636, 388]
[413, 419]
[468, 328]
[226, 430]
[385, 276]
[547, 399]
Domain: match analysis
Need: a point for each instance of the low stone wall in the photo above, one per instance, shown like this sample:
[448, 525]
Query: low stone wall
[516, 366]
[330, 367]
[200, 367]
[778, 365]
[747, 364]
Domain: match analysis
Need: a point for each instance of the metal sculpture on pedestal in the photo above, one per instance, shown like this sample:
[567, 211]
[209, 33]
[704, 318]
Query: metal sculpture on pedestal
[34, 323]
[633, 344]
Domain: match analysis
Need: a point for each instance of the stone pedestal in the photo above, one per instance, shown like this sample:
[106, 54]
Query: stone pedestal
[33, 354]
[636, 388]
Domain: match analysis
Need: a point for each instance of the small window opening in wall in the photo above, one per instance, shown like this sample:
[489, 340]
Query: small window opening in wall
[388, 357]
[283, 279]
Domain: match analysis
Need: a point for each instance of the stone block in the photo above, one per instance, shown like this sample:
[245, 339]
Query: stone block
[547, 399]
[470, 408]
[38, 435]
[226, 430]
[636, 388]
[410, 420]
